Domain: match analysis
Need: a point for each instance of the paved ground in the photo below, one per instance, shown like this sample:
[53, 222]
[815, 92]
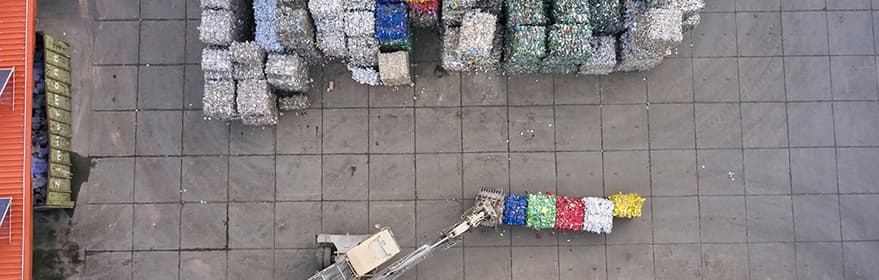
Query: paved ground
[757, 147]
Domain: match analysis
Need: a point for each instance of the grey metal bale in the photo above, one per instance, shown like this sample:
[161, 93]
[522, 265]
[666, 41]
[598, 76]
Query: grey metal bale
[218, 99]
[247, 53]
[221, 27]
[256, 103]
[633, 58]
[359, 23]
[287, 72]
[216, 63]
[295, 29]
[604, 56]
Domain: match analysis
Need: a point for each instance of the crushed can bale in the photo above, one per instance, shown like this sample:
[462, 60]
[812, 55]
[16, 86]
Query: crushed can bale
[659, 29]
[364, 75]
[256, 103]
[287, 72]
[363, 51]
[216, 63]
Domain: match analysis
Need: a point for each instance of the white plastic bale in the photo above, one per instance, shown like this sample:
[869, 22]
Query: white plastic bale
[364, 75]
[393, 68]
[363, 51]
[359, 23]
[218, 99]
[247, 72]
[659, 29]
[326, 8]
[598, 215]
[332, 44]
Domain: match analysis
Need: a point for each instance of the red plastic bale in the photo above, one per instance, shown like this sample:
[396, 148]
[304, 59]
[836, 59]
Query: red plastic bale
[570, 213]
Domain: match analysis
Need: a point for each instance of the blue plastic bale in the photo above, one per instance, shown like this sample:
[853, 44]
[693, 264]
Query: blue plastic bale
[515, 210]
[391, 22]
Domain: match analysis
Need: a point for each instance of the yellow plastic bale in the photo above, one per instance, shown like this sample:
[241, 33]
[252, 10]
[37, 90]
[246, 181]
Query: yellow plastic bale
[627, 205]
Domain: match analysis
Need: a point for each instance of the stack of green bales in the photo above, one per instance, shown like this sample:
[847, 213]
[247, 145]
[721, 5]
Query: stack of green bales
[557, 43]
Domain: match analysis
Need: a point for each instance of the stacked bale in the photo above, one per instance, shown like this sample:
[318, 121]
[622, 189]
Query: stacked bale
[525, 48]
[423, 13]
[224, 22]
[267, 25]
[604, 56]
[392, 26]
[248, 59]
[219, 100]
[330, 26]
[287, 73]
[472, 38]
[606, 17]
[295, 29]
[256, 104]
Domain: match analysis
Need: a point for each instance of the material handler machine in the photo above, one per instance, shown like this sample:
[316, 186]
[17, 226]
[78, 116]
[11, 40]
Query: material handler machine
[357, 256]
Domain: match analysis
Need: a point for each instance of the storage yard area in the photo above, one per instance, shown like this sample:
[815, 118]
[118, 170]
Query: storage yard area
[620, 139]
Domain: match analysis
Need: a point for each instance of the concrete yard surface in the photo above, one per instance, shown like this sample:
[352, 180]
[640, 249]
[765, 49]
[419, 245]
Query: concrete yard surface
[756, 146]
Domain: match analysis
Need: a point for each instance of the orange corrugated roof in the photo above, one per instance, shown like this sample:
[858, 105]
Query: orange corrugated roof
[16, 50]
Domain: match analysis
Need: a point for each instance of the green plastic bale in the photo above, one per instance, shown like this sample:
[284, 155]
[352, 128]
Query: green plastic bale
[606, 17]
[395, 45]
[525, 12]
[541, 211]
[571, 11]
[570, 42]
[525, 44]
[558, 65]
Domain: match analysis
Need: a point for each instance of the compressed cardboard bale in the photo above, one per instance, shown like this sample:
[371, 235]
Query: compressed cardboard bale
[287, 72]
[450, 58]
[294, 102]
[605, 16]
[218, 99]
[659, 29]
[326, 8]
[570, 42]
[247, 53]
[525, 12]
[363, 51]
[541, 211]
[359, 23]
[364, 75]
[332, 44]
[515, 210]
[604, 56]
[598, 215]
[571, 11]
[221, 27]
[476, 37]
[570, 213]
[216, 63]
[393, 68]
[256, 103]
[295, 29]
[423, 13]
[632, 58]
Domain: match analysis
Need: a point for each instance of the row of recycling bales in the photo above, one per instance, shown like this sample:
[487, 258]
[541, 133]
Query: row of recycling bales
[593, 37]
[549, 211]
